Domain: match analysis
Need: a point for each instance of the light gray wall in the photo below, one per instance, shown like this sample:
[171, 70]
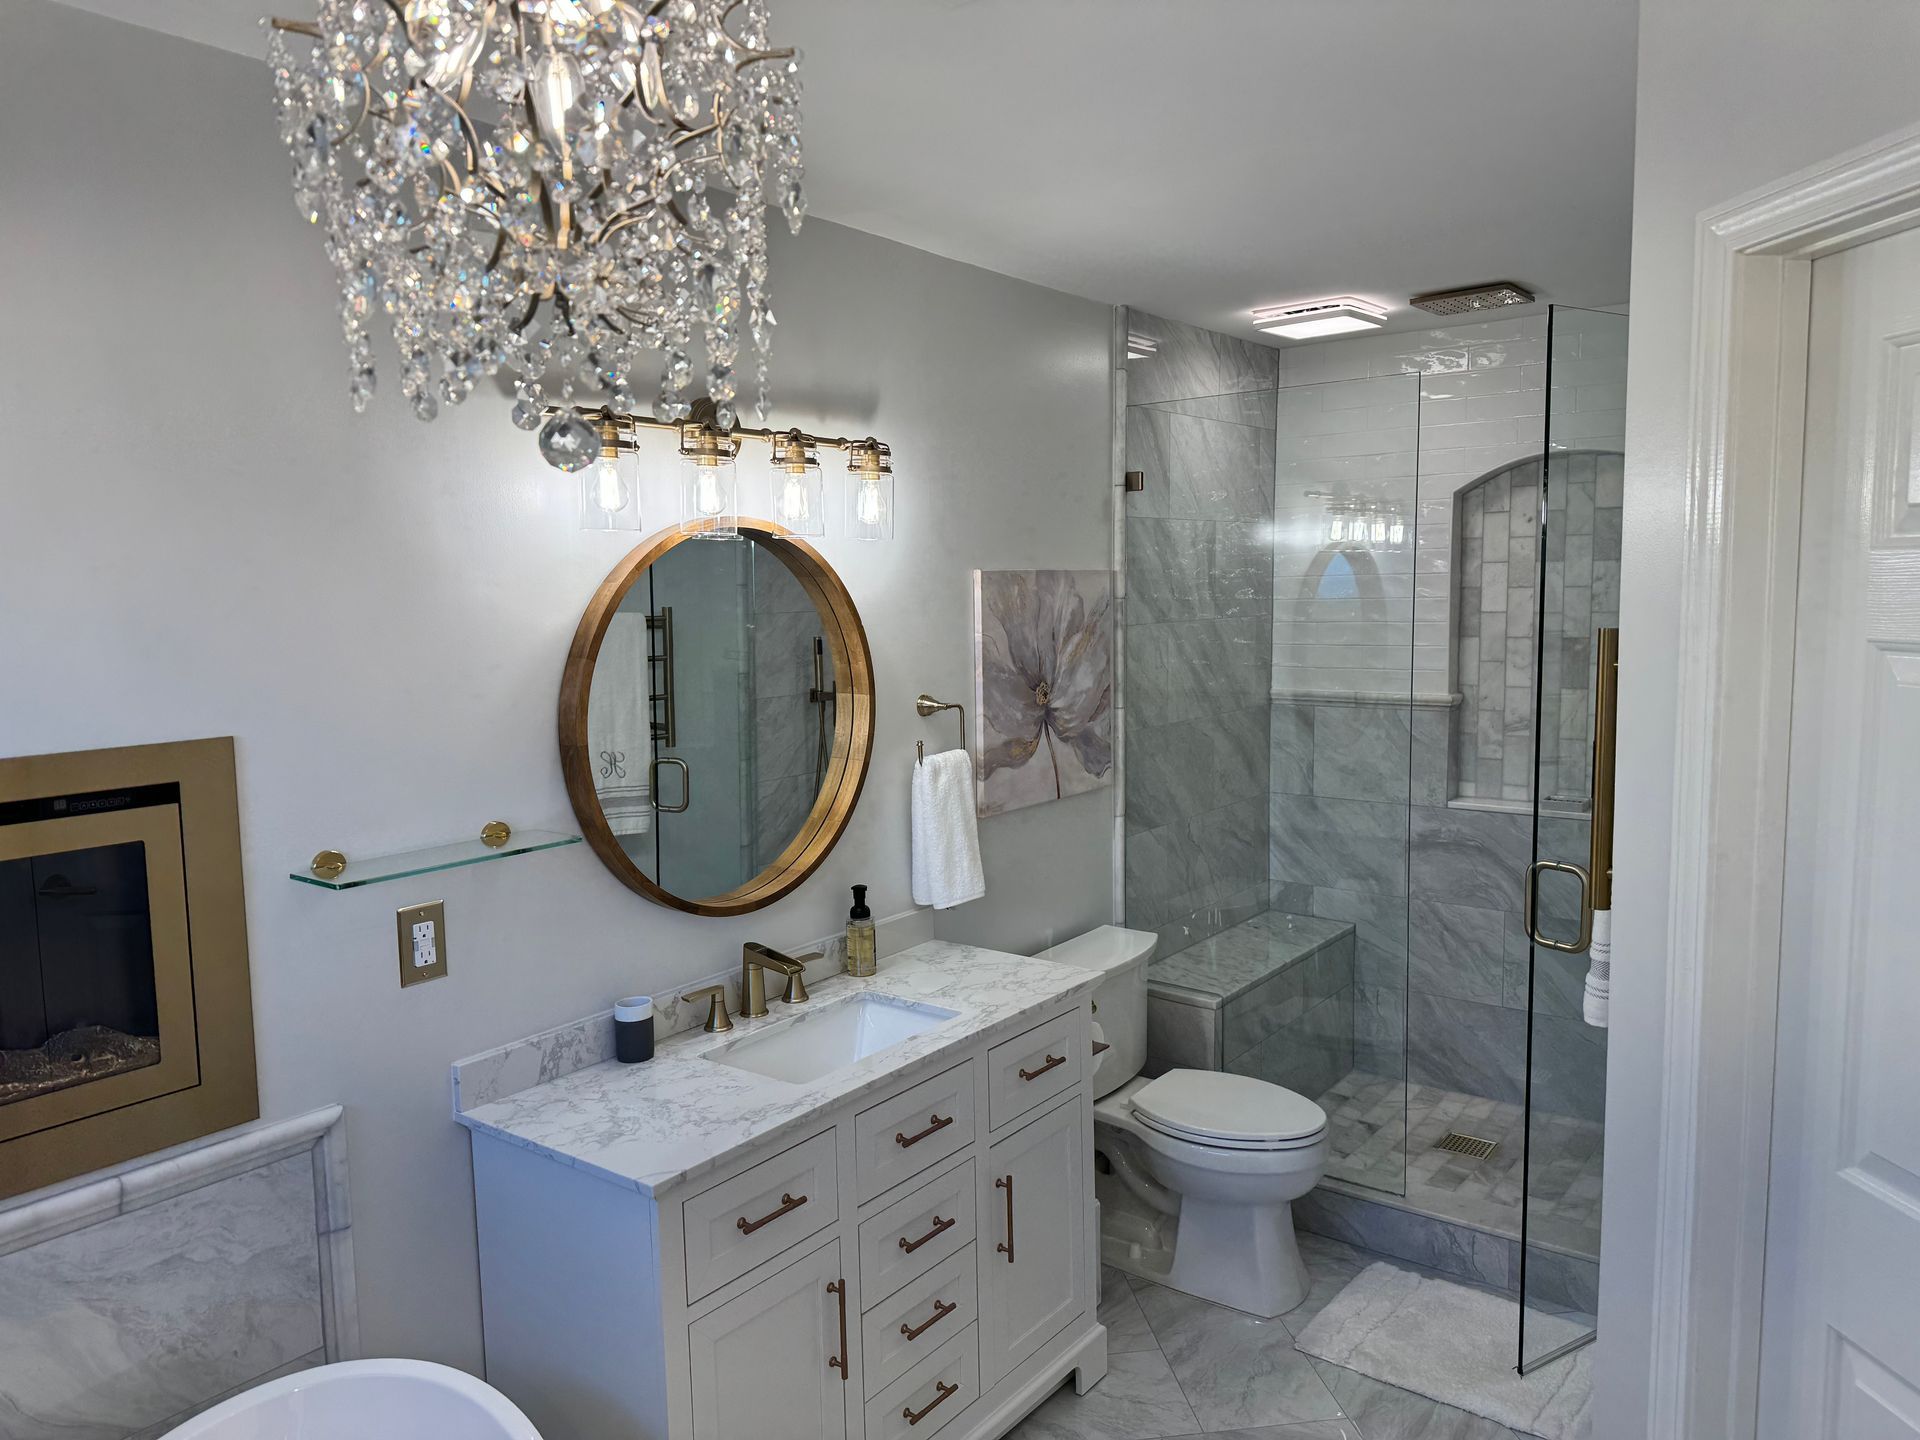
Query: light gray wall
[197, 536]
[1732, 96]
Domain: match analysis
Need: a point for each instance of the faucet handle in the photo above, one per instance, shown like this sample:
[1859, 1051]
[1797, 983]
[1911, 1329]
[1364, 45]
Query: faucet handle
[796, 992]
[717, 1017]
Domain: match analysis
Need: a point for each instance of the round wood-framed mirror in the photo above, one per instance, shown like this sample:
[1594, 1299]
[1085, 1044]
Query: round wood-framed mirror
[716, 717]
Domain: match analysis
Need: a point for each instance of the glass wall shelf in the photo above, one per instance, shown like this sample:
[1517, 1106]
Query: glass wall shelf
[399, 866]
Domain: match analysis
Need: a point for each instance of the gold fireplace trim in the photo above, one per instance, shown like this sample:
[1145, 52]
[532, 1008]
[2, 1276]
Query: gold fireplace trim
[213, 1085]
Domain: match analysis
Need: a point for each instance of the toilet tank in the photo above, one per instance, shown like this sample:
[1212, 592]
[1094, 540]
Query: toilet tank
[1120, 999]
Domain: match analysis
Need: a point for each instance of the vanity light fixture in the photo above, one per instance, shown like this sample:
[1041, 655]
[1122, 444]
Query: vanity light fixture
[870, 496]
[709, 489]
[1318, 319]
[574, 190]
[709, 483]
[609, 499]
[798, 490]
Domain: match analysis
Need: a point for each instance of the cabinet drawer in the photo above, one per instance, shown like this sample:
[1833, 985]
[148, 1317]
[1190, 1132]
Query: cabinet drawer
[918, 1318]
[751, 1218]
[901, 1136]
[915, 1233]
[1033, 1067]
[930, 1395]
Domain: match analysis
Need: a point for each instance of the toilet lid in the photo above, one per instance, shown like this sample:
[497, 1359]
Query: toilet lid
[1213, 1107]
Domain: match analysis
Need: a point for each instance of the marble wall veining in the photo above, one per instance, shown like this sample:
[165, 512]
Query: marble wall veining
[1198, 616]
[133, 1299]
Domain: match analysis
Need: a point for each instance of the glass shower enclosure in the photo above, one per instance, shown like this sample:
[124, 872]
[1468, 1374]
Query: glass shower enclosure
[1369, 586]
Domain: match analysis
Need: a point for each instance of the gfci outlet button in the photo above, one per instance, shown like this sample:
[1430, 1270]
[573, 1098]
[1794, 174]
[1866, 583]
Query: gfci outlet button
[423, 942]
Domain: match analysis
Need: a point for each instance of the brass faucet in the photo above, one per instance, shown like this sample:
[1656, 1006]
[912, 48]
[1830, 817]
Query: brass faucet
[755, 960]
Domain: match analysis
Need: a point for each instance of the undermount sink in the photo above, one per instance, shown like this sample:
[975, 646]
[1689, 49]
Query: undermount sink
[831, 1038]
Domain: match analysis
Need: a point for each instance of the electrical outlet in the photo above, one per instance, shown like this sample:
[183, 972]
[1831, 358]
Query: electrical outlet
[423, 942]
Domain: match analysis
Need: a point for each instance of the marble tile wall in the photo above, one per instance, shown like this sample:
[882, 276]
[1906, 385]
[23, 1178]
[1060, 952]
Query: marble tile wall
[1197, 574]
[785, 722]
[1441, 966]
[132, 1299]
[1499, 609]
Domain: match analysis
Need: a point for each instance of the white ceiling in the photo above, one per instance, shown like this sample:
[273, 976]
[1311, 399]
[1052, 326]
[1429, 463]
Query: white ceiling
[1201, 157]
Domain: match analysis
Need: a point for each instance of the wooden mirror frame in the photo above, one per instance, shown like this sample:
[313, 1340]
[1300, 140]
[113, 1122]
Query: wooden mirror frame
[846, 772]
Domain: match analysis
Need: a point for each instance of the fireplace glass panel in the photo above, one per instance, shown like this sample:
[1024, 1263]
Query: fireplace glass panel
[78, 999]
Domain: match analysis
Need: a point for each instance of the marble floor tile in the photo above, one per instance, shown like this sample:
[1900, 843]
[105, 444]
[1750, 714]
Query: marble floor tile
[1120, 1312]
[1138, 1400]
[1312, 1430]
[1330, 1265]
[1384, 1412]
[1238, 1372]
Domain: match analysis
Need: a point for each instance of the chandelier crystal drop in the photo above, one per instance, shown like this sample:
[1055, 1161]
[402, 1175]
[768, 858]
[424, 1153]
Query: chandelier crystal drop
[575, 190]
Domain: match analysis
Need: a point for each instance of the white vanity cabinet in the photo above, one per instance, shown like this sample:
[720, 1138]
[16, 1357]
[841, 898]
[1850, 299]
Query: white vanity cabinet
[916, 1259]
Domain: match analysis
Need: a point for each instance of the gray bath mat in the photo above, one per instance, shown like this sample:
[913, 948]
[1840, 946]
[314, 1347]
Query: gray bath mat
[1455, 1345]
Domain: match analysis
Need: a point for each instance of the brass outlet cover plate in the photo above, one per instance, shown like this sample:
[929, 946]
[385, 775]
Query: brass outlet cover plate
[435, 913]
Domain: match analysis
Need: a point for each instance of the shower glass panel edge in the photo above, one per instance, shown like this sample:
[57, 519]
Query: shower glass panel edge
[1578, 596]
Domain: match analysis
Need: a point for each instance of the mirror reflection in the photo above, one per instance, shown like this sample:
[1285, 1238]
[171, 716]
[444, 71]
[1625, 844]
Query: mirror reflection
[711, 715]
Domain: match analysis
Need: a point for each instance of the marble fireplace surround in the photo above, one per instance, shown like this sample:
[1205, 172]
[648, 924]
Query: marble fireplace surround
[134, 1297]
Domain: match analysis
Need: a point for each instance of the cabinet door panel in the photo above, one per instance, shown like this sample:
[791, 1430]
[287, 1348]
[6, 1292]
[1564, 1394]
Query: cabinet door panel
[761, 1362]
[1032, 1249]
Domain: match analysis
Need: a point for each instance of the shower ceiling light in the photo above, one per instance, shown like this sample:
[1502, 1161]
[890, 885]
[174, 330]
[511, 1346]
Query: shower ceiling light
[1317, 319]
[1478, 297]
[572, 189]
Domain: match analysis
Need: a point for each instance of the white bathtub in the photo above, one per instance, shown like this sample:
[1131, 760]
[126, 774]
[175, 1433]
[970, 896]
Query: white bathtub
[364, 1400]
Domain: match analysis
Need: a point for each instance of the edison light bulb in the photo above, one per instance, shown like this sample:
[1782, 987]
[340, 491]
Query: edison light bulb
[609, 489]
[1336, 532]
[793, 499]
[868, 508]
[709, 495]
[1396, 533]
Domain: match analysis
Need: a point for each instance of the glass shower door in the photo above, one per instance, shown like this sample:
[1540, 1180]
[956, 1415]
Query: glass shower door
[1575, 618]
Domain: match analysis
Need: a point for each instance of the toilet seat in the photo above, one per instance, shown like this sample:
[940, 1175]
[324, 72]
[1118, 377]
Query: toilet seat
[1228, 1112]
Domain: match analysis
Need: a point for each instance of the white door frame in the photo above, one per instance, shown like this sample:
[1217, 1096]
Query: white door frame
[1739, 569]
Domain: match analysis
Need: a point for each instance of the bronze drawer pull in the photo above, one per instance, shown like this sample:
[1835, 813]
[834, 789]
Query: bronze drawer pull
[914, 1417]
[904, 1140]
[941, 1309]
[787, 1202]
[940, 1227]
[1052, 1060]
[839, 1362]
[1005, 1182]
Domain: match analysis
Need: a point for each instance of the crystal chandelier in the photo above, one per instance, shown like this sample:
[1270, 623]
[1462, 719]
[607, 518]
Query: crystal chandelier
[572, 189]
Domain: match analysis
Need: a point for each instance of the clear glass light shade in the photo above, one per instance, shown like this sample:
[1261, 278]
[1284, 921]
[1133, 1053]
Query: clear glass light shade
[869, 505]
[798, 495]
[609, 498]
[709, 496]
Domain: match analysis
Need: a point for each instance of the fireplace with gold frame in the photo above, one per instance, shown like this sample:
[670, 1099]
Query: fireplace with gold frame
[126, 1012]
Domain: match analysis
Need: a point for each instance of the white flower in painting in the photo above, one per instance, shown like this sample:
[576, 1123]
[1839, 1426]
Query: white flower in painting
[1047, 676]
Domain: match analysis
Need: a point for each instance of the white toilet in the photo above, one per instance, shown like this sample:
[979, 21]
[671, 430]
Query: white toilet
[1197, 1170]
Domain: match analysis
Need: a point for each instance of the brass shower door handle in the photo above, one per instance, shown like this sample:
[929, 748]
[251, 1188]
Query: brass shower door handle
[1530, 906]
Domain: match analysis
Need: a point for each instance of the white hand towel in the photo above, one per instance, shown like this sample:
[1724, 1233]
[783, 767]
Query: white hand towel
[1599, 994]
[620, 725]
[946, 836]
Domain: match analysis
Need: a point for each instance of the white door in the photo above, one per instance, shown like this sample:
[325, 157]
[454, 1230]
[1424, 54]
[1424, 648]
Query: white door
[1034, 1213]
[769, 1364]
[1841, 1330]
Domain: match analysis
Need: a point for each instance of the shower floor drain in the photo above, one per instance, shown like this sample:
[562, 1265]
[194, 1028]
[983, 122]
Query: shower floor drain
[1471, 1145]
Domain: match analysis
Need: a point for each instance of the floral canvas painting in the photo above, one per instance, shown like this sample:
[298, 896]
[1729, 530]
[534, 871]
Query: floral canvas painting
[1043, 685]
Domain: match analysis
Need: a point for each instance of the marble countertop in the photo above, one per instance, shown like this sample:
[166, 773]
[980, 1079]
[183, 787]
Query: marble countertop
[681, 1115]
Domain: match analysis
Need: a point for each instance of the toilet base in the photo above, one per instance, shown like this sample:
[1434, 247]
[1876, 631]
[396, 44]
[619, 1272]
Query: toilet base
[1241, 1256]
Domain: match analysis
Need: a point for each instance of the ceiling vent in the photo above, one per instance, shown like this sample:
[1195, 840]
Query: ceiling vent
[1478, 297]
[1316, 319]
